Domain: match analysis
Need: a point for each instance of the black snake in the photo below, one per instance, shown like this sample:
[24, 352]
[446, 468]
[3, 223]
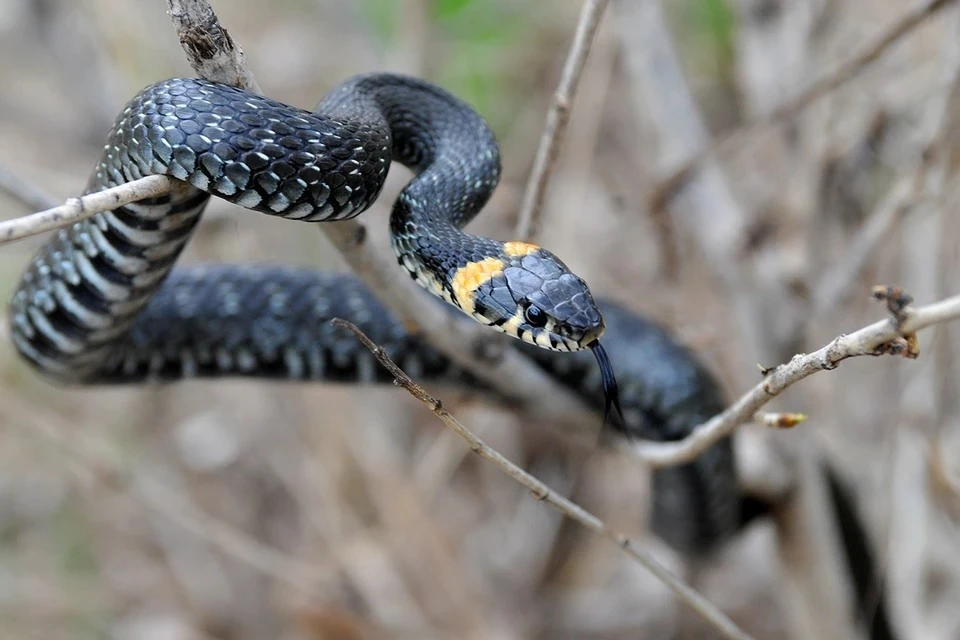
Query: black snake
[101, 304]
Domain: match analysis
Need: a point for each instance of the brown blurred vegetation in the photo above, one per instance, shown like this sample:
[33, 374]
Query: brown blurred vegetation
[251, 510]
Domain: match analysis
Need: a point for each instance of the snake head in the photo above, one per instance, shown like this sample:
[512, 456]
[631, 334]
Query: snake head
[529, 293]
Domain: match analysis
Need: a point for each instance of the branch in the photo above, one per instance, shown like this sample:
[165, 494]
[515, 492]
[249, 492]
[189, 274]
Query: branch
[77, 209]
[893, 336]
[543, 493]
[821, 87]
[557, 117]
[210, 49]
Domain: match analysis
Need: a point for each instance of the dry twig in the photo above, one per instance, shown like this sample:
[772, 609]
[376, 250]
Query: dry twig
[892, 336]
[552, 138]
[210, 49]
[77, 209]
[543, 493]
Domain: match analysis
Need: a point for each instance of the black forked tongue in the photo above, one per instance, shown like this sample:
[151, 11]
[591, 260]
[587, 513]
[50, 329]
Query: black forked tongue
[612, 413]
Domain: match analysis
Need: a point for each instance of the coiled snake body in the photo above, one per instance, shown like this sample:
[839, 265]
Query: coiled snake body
[101, 303]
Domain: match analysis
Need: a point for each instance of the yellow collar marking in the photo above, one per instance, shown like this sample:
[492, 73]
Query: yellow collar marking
[469, 277]
[519, 249]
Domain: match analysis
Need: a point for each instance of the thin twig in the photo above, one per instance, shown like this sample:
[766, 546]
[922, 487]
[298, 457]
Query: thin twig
[820, 88]
[209, 47]
[77, 209]
[891, 336]
[552, 138]
[543, 493]
[855, 65]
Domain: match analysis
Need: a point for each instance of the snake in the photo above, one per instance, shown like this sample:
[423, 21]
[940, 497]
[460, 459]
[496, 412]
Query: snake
[102, 302]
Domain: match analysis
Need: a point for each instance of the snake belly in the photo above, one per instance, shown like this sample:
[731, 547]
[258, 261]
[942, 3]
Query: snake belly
[101, 302]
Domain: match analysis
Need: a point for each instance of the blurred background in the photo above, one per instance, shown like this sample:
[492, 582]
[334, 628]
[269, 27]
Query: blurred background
[251, 510]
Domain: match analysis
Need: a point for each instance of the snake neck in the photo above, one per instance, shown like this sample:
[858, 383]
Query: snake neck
[456, 162]
[434, 251]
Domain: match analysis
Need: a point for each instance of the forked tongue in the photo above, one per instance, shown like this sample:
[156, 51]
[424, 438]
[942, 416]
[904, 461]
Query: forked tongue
[612, 413]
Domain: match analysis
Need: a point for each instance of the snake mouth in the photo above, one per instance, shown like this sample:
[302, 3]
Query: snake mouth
[612, 413]
[592, 336]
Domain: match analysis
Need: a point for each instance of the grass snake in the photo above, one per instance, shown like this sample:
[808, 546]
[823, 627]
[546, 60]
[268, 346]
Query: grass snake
[101, 302]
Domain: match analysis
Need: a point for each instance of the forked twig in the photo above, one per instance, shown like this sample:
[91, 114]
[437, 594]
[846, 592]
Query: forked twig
[543, 493]
[556, 126]
[894, 336]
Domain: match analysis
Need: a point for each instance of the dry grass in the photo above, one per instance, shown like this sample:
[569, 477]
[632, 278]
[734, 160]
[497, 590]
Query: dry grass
[245, 510]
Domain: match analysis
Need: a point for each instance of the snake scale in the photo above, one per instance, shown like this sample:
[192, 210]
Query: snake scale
[101, 302]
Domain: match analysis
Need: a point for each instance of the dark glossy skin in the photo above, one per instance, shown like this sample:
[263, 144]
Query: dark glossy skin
[83, 290]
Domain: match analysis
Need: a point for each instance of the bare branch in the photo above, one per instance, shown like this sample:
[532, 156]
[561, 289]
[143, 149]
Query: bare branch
[76, 209]
[892, 336]
[557, 117]
[543, 493]
[210, 49]
[821, 87]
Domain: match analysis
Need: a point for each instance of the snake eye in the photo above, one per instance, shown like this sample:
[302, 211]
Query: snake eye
[535, 316]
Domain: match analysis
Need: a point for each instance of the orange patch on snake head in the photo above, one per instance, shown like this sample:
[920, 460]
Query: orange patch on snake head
[519, 249]
[469, 277]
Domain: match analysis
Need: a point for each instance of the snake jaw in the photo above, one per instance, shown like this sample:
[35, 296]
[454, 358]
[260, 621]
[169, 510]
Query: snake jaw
[528, 293]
